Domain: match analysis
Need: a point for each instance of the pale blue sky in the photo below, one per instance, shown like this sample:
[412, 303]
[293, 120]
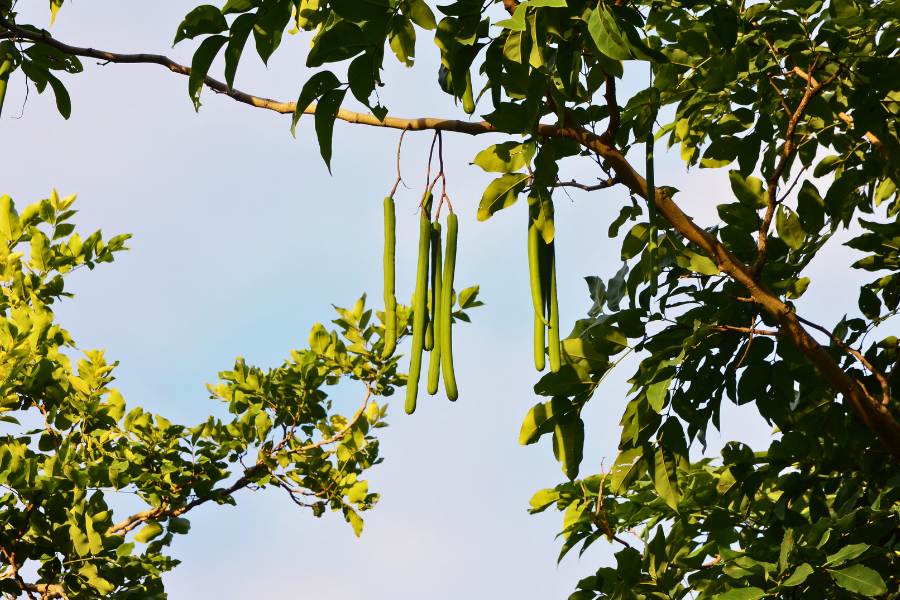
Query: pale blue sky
[242, 241]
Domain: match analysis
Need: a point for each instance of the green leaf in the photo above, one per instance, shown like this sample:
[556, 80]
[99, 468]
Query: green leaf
[80, 541]
[40, 251]
[787, 546]
[697, 263]
[362, 74]
[149, 531]
[339, 42]
[179, 525]
[635, 240]
[326, 112]
[859, 579]
[202, 20]
[656, 394]
[271, 20]
[542, 499]
[501, 193]
[360, 11]
[664, 480]
[63, 101]
[846, 553]
[538, 421]
[748, 190]
[826, 165]
[885, 190]
[748, 593]
[787, 224]
[607, 36]
[203, 59]
[237, 6]
[810, 207]
[421, 14]
[628, 467]
[356, 521]
[568, 443]
[468, 298]
[403, 40]
[10, 228]
[318, 85]
[798, 576]
[240, 31]
[506, 157]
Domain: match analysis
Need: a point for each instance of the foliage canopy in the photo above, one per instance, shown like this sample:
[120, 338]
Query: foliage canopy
[799, 99]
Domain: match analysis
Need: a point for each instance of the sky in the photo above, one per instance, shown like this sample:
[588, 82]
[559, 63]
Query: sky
[242, 240]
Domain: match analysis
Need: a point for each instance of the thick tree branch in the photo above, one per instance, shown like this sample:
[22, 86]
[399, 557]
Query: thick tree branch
[875, 416]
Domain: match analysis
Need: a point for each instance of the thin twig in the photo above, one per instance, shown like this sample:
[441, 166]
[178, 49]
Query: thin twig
[606, 183]
[750, 330]
[443, 177]
[399, 177]
[787, 153]
[879, 376]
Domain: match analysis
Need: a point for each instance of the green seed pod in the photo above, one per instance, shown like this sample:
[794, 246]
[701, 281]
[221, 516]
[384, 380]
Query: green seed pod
[539, 343]
[420, 308]
[553, 304]
[5, 68]
[433, 276]
[390, 300]
[447, 309]
[537, 289]
[434, 364]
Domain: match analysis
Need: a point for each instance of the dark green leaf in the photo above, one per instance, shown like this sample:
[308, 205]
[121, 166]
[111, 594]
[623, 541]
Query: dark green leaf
[202, 20]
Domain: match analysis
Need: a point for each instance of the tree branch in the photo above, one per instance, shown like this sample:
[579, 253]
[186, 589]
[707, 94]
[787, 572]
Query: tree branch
[612, 104]
[812, 88]
[750, 330]
[859, 356]
[606, 183]
[876, 417]
[510, 5]
[847, 119]
[164, 511]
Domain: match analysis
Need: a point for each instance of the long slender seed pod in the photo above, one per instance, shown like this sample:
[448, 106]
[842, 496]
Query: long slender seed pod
[5, 68]
[540, 343]
[420, 298]
[553, 330]
[537, 292]
[390, 300]
[447, 309]
[534, 272]
[434, 364]
[433, 275]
